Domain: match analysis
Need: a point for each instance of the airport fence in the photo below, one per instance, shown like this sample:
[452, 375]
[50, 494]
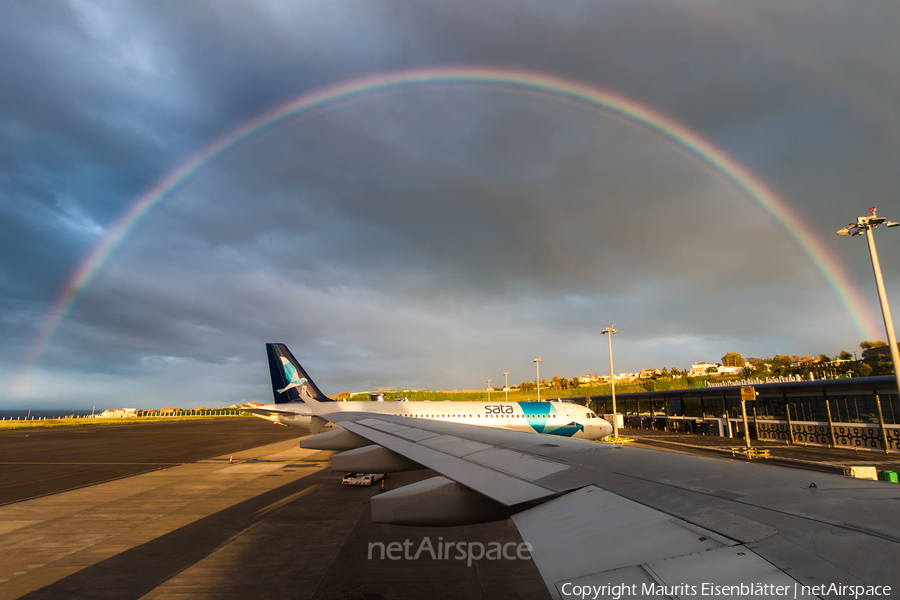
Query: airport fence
[123, 414]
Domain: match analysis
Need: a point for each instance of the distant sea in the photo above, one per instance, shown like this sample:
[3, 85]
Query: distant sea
[48, 414]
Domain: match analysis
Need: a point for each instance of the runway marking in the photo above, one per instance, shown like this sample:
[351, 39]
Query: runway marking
[105, 466]
[94, 463]
[266, 510]
[193, 462]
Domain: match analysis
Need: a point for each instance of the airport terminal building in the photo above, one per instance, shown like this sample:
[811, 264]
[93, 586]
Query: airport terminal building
[861, 412]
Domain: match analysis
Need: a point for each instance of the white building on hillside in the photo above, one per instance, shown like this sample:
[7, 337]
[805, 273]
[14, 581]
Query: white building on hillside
[700, 368]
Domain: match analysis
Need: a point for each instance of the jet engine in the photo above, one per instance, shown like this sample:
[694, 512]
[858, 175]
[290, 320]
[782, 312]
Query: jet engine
[435, 502]
[337, 439]
[372, 459]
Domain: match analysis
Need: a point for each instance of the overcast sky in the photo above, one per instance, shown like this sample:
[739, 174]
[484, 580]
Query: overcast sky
[431, 236]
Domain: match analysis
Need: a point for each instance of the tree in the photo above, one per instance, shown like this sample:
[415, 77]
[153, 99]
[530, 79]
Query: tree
[526, 385]
[781, 363]
[876, 344]
[649, 385]
[881, 365]
[733, 359]
[863, 370]
[844, 355]
[824, 358]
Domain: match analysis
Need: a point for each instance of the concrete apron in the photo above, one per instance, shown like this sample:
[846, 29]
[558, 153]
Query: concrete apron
[125, 538]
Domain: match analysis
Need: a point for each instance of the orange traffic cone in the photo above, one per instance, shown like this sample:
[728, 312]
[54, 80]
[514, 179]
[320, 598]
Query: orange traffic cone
[230, 459]
[382, 484]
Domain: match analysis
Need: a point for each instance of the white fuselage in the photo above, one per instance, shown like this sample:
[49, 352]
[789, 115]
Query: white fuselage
[554, 418]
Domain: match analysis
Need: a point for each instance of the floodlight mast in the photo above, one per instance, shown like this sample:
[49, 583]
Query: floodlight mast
[537, 363]
[506, 384]
[866, 225]
[612, 380]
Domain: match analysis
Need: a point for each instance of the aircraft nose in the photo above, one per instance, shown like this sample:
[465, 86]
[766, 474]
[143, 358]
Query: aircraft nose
[596, 432]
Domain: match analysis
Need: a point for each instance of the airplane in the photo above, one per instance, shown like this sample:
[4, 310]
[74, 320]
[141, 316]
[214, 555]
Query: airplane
[612, 521]
[290, 383]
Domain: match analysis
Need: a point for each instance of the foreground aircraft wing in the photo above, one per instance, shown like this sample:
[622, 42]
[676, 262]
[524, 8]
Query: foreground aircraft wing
[268, 411]
[655, 524]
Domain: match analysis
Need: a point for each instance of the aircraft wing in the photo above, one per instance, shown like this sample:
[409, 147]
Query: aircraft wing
[660, 524]
[268, 412]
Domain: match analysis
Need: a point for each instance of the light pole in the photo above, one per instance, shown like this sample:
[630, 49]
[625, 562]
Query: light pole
[867, 224]
[506, 384]
[489, 390]
[612, 379]
[537, 363]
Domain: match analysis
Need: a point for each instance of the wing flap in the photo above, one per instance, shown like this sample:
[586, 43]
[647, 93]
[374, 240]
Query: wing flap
[632, 544]
[516, 463]
[455, 445]
[732, 572]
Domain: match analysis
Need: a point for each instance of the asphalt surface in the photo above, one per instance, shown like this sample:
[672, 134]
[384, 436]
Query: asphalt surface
[157, 511]
[274, 523]
[38, 461]
[814, 458]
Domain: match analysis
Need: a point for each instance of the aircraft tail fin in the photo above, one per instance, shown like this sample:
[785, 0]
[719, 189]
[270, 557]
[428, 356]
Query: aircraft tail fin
[290, 383]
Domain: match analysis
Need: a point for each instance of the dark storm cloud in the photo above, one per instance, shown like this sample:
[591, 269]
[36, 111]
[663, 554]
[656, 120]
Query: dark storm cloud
[428, 237]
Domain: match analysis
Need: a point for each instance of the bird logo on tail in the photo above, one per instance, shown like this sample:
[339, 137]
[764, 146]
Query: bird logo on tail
[290, 372]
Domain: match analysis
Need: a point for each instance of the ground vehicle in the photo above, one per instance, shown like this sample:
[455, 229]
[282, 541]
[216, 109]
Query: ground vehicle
[361, 478]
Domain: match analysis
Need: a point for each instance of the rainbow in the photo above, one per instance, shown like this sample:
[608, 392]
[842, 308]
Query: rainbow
[525, 82]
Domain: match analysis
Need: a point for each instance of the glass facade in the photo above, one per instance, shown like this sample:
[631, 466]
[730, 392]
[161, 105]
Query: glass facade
[850, 401]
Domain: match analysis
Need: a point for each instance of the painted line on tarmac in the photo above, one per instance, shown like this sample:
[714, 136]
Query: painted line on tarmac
[193, 462]
[276, 505]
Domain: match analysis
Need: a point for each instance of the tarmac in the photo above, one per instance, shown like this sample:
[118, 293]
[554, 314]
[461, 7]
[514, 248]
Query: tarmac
[264, 523]
[811, 457]
[264, 519]
[48, 460]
